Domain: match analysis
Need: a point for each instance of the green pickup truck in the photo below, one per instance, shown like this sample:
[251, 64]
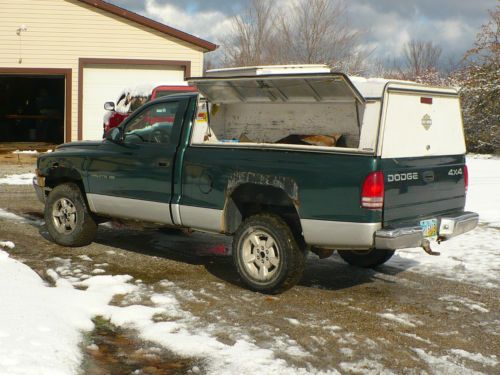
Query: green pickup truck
[284, 160]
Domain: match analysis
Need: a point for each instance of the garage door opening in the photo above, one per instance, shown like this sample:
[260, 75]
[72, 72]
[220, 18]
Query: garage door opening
[32, 108]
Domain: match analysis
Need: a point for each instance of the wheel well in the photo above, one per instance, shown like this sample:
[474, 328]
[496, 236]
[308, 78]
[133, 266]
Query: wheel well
[58, 176]
[61, 176]
[249, 199]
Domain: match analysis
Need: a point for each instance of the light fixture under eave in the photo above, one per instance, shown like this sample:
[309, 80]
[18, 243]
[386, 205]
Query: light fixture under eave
[21, 29]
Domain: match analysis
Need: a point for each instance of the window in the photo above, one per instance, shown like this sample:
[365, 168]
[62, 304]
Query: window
[153, 125]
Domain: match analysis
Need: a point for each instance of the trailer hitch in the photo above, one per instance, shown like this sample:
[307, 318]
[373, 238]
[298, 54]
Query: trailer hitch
[426, 245]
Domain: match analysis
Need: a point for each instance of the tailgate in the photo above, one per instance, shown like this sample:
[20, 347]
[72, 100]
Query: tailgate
[422, 188]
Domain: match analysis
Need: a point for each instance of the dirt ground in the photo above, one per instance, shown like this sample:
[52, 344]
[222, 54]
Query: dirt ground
[339, 317]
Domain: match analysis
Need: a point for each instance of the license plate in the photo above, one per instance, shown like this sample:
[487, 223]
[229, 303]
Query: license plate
[429, 227]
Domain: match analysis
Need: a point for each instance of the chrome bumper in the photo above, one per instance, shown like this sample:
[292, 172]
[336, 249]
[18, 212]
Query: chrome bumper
[453, 226]
[401, 238]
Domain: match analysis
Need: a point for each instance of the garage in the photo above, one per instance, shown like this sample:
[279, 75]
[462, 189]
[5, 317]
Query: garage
[54, 80]
[102, 83]
[33, 108]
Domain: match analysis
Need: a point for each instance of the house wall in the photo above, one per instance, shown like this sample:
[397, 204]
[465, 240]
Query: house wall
[60, 32]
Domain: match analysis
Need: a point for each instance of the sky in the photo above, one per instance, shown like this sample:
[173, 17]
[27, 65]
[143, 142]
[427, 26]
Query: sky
[386, 24]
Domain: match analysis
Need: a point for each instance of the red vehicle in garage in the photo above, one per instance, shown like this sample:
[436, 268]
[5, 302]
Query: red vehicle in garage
[131, 99]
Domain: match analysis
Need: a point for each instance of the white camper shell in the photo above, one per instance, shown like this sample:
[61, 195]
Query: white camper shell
[310, 107]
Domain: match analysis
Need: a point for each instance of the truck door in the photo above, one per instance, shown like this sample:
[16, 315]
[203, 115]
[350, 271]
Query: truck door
[133, 179]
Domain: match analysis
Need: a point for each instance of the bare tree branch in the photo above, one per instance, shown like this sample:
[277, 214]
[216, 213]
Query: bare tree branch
[248, 41]
[304, 32]
[421, 57]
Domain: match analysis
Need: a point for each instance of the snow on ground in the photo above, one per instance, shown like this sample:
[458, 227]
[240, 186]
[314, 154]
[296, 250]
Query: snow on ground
[41, 327]
[10, 216]
[32, 152]
[23, 219]
[7, 244]
[484, 186]
[17, 179]
[25, 152]
[452, 363]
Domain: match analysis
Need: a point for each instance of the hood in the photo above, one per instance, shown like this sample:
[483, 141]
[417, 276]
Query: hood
[80, 145]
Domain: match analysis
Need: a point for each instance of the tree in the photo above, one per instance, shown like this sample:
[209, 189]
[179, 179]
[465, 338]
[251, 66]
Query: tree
[248, 40]
[300, 32]
[480, 88]
[318, 31]
[421, 57]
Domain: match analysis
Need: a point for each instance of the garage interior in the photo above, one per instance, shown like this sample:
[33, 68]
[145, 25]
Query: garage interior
[32, 108]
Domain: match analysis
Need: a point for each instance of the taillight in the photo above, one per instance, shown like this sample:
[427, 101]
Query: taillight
[466, 178]
[372, 193]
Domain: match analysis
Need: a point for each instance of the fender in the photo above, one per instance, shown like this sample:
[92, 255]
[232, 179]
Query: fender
[256, 188]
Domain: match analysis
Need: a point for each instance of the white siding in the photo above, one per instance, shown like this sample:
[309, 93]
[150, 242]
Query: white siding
[62, 31]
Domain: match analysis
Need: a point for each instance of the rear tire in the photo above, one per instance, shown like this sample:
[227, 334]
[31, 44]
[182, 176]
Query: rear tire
[68, 218]
[267, 255]
[366, 259]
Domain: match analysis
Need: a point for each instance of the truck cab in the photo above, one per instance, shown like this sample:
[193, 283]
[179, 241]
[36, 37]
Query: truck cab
[284, 159]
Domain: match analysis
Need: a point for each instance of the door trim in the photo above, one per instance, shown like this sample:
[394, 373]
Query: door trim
[201, 218]
[127, 208]
[68, 86]
[83, 62]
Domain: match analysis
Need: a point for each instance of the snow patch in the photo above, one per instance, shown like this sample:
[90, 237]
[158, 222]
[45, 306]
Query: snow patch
[470, 304]
[28, 219]
[9, 215]
[365, 367]
[93, 347]
[484, 181]
[414, 336]
[443, 364]
[25, 152]
[17, 179]
[7, 244]
[476, 357]
[85, 258]
[26, 345]
[292, 321]
[401, 318]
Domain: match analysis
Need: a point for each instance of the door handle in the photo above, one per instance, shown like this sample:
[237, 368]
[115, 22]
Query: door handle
[164, 163]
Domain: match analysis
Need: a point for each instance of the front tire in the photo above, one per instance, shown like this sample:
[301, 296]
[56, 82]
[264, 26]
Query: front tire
[366, 259]
[68, 218]
[267, 255]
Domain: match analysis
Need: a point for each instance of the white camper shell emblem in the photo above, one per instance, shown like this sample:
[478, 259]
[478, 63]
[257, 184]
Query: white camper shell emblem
[426, 121]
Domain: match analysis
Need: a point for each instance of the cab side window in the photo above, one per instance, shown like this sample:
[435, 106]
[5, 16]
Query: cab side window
[153, 125]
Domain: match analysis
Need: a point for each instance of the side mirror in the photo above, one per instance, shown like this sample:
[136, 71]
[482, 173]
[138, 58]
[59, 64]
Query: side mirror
[115, 135]
[109, 106]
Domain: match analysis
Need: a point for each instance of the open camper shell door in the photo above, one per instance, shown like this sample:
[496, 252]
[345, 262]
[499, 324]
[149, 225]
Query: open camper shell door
[276, 88]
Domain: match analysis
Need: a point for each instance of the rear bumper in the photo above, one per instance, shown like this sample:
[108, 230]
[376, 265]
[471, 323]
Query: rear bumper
[449, 227]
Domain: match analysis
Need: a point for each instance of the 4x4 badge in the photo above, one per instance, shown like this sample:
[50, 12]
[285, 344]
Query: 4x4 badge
[426, 121]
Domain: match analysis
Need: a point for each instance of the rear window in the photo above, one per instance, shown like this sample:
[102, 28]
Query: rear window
[159, 94]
